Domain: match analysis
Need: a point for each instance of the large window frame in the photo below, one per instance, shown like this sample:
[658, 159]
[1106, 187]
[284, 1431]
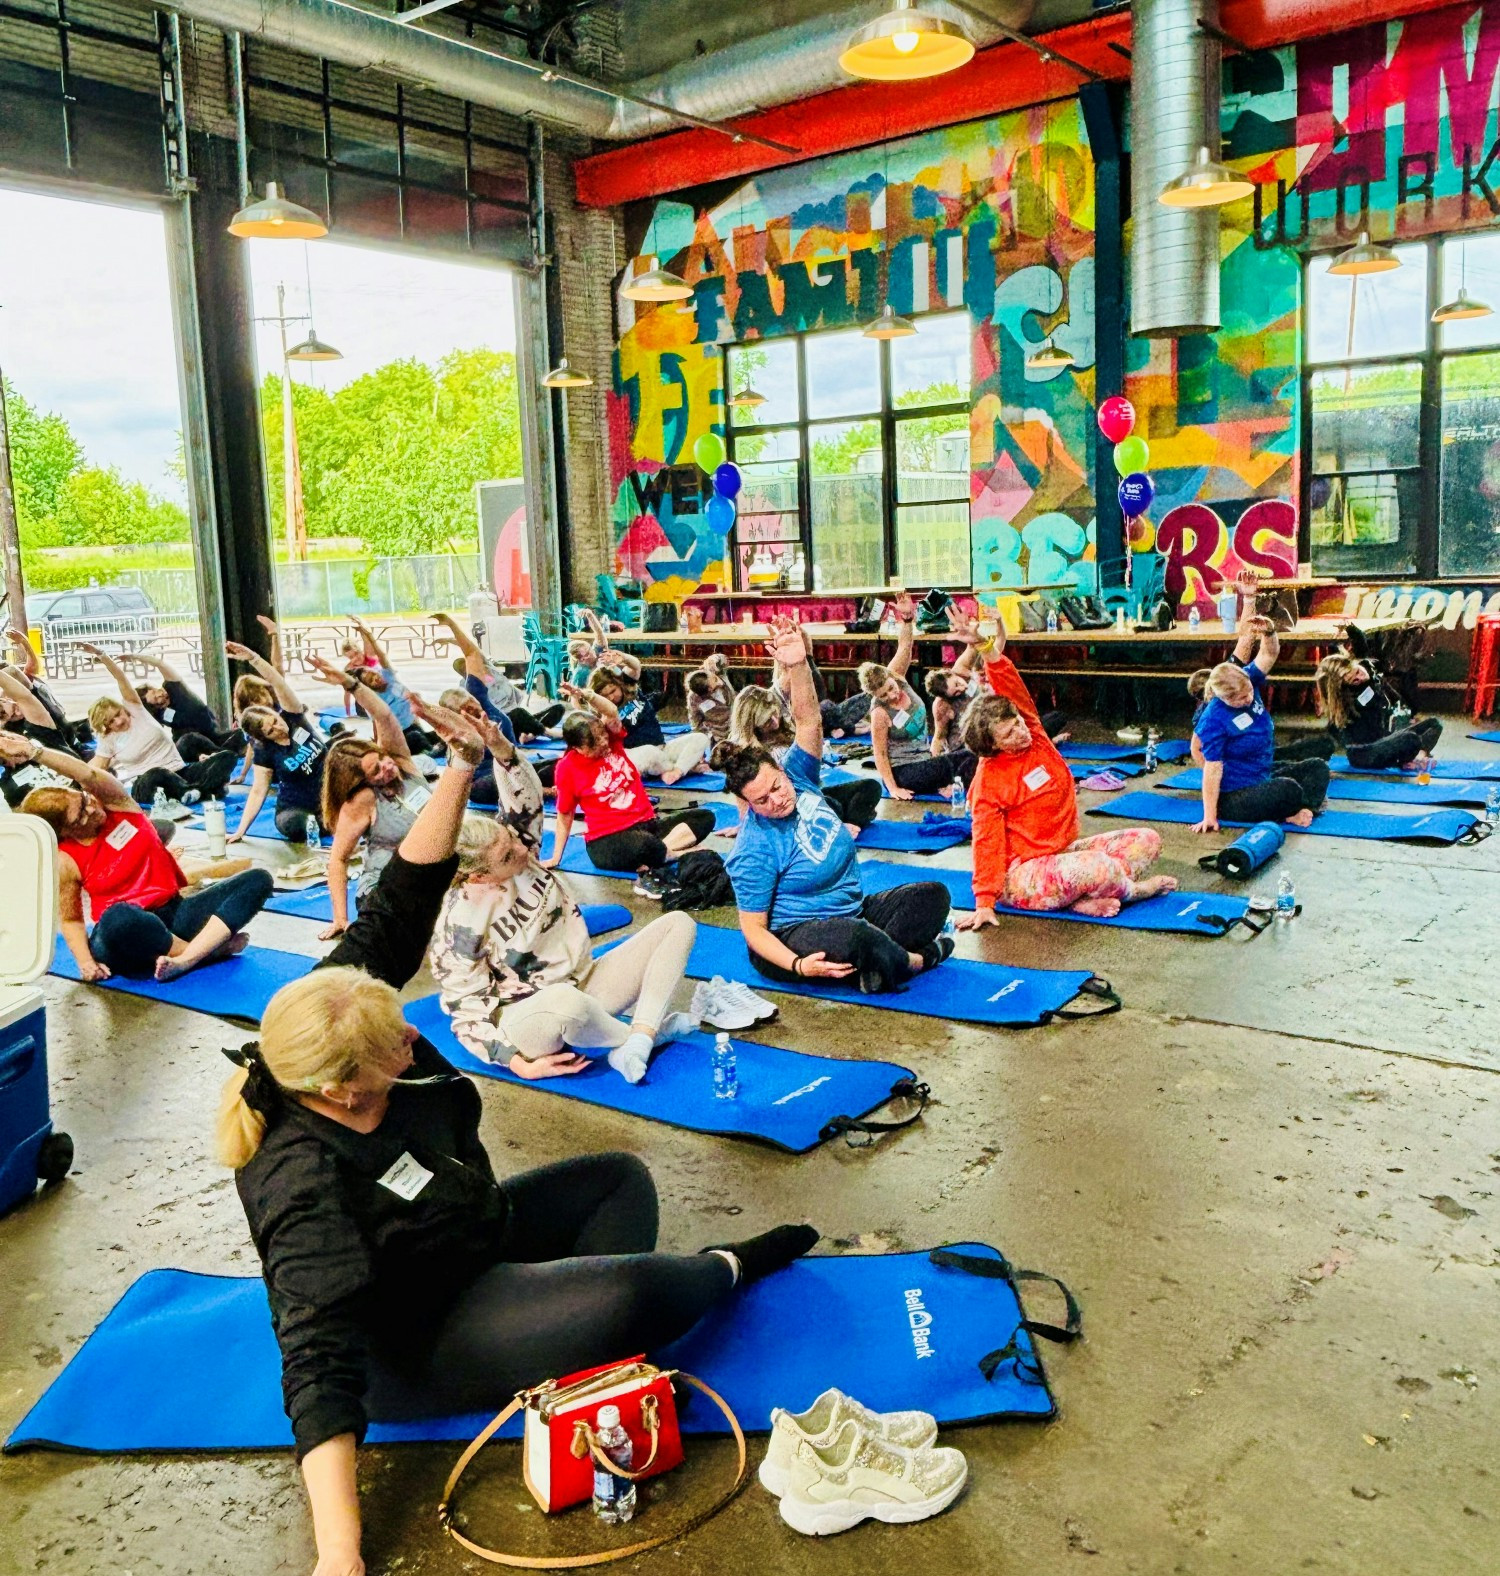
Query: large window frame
[1421, 480]
[888, 415]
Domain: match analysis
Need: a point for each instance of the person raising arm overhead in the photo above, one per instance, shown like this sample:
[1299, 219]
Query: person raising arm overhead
[186, 716]
[898, 721]
[1357, 708]
[502, 693]
[290, 753]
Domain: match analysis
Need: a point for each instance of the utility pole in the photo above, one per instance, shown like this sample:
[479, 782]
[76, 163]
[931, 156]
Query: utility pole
[10, 530]
[291, 465]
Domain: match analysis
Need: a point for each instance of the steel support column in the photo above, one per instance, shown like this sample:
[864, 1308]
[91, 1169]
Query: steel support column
[538, 452]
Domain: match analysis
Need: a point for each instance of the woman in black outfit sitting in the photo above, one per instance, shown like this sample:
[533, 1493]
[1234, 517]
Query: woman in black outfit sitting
[1358, 711]
[404, 1279]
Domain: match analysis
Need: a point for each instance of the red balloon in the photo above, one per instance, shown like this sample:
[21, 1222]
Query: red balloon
[1117, 418]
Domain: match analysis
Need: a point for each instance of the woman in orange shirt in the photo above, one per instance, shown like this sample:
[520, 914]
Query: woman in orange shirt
[1027, 851]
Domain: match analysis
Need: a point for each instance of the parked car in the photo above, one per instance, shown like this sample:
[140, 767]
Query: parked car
[118, 619]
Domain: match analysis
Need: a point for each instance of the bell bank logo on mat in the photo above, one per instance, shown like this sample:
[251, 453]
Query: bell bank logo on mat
[920, 1321]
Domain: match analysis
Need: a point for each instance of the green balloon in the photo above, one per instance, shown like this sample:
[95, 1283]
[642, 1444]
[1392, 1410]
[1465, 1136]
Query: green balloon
[1131, 456]
[709, 452]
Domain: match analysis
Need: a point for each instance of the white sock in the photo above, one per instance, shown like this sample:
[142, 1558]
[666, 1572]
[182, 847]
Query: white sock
[673, 1027]
[630, 1059]
[730, 1260]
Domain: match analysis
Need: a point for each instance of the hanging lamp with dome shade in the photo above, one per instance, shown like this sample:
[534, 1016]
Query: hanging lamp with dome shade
[277, 218]
[1205, 184]
[1364, 257]
[1463, 306]
[314, 349]
[747, 399]
[889, 325]
[905, 45]
[1048, 357]
[656, 284]
[566, 376]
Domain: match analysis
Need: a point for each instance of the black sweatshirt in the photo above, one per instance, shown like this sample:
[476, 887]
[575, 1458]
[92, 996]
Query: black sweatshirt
[353, 1266]
[1369, 717]
[185, 712]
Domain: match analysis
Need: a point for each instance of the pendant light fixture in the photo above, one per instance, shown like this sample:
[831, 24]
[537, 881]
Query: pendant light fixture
[277, 218]
[1206, 184]
[566, 376]
[905, 45]
[313, 349]
[1463, 306]
[656, 284]
[1364, 257]
[889, 326]
[1048, 357]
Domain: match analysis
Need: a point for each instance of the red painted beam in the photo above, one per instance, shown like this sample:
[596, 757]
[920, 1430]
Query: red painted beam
[1004, 77]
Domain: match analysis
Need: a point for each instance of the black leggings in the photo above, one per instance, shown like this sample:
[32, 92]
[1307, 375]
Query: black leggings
[643, 845]
[524, 721]
[1310, 747]
[292, 823]
[1396, 749]
[209, 775]
[1053, 723]
[1295, 785]
[843, 716]
[856, 802]
[128, 940]
[198, 746]
[581, 1285]
[876, 940]
[935, 772]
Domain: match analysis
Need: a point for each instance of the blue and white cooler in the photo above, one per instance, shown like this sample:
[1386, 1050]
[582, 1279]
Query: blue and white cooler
[30, 1152]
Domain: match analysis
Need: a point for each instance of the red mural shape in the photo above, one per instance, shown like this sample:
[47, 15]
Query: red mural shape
[1202, 554]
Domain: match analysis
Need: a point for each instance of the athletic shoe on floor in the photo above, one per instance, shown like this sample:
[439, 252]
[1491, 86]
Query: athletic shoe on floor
[820, 1424]
[1131, 735]
[649, 884]
[740, 995]
[192, 796]
[830, 1488]
[714, 1009]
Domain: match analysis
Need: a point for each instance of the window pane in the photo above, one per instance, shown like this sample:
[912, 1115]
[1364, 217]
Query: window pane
[1365, 420]
[931, 367]
[932, 544]
[1474, 266]
[1469, 538]
[769, 366]
[770, 465]
[847, 488]
[1389, 310]
[932, 458]
[1364, 524]
[767, 542]
[843, 374]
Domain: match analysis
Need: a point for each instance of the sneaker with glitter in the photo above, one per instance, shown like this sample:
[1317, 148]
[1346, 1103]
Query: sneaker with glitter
[858, 1477]
[820, 1424]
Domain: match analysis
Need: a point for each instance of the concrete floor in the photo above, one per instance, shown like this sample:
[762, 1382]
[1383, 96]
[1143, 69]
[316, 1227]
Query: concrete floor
[1269, 1180]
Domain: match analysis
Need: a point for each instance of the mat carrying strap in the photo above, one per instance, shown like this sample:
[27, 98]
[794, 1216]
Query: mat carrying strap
[998, 1268]
[1098, 988]
[850, 1126]
[578, 1561]
[1476, 832]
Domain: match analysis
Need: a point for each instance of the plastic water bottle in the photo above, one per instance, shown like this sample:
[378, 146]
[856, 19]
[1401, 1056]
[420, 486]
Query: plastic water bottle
[726, 1069]
[159, 802]
[1051, 620]
[1153, 738]
[1492, 806]
[1286, 897]
[1194, 620]
[614, 1498]
[313, 835]
[960, 800]
[830, 754]
[213, 824]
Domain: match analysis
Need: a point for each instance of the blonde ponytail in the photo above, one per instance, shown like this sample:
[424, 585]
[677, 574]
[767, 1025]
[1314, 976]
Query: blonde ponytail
[239, 1130]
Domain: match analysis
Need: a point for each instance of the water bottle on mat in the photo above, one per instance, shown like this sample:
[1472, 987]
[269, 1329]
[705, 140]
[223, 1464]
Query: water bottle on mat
[614, 1498]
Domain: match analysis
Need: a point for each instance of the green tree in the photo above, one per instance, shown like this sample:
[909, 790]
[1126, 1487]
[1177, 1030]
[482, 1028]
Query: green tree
[101, 508]
[44, 454]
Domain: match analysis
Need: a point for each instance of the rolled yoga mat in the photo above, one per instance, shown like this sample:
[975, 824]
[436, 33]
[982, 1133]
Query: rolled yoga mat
[786, 1098]
[235, 988]
[1166, 750]
[1373, 790]
[187, 1362]
[1437, 826]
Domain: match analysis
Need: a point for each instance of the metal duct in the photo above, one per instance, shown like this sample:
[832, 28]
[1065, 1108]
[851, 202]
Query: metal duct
[791, 63]
[1174, 109]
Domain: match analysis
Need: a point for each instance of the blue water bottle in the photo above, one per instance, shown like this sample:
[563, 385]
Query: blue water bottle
[960, 800]
[726, 1069]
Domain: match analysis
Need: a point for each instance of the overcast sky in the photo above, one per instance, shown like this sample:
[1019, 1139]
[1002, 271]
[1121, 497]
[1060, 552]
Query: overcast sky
[86, 325]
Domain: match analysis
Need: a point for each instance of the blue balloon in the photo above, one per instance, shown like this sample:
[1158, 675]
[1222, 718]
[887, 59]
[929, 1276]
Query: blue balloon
[727, 479]
[1135, 493]
[719, 512]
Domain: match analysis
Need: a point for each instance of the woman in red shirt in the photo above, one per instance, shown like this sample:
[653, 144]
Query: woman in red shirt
[1027, 851]
[624, 832]
[109, 850]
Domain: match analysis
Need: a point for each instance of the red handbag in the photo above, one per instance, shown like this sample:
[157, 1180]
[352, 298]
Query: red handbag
[560, 1448]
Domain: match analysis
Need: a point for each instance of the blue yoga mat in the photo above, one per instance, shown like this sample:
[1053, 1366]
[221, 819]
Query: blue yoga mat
[1372, 790]
[913, 837]
[1464, 771]
[880, 875]
[834, 775]
[960, 990]
[786, 1098]
[1437, 826]
[1083, 769]
[236, 988]
[1166, 750]
[1492, 737]
[187, 1362]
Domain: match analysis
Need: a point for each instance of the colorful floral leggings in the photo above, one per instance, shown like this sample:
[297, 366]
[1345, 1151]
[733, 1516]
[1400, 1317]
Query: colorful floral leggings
[1104, 866]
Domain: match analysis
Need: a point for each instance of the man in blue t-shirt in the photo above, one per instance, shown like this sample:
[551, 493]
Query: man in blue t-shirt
[1241, 779]
[802, 908]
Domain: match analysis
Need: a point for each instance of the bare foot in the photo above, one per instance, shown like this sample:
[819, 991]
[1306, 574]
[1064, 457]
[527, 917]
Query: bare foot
[837, 733]
[1153, 886]
[170, 969]
[1063, 737]
[668, 778]
[853, 830]
[1098, 907]
[1303, 818]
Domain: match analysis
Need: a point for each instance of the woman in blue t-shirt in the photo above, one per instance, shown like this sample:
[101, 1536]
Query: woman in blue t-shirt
[802, 908]
[1242, 779]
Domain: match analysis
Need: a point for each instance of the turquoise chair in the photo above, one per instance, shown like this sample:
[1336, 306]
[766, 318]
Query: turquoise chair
[546, 658]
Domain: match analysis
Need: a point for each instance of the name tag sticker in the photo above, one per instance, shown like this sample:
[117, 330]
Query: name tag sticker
[406, 1178]
[1243, 721]
[416, 796]
[1367, 694]
[168, 712]
[1036, 778]
[300, 736]
[121, 835]
[899, 719]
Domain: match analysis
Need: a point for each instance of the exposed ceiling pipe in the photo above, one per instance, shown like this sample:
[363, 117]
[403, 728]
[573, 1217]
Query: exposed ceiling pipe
[1174, 95]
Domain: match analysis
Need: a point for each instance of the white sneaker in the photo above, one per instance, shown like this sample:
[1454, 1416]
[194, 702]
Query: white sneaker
[738, 994]
[1130, 735]
[820, 1425]
[713, 1008]
[831, 1488]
